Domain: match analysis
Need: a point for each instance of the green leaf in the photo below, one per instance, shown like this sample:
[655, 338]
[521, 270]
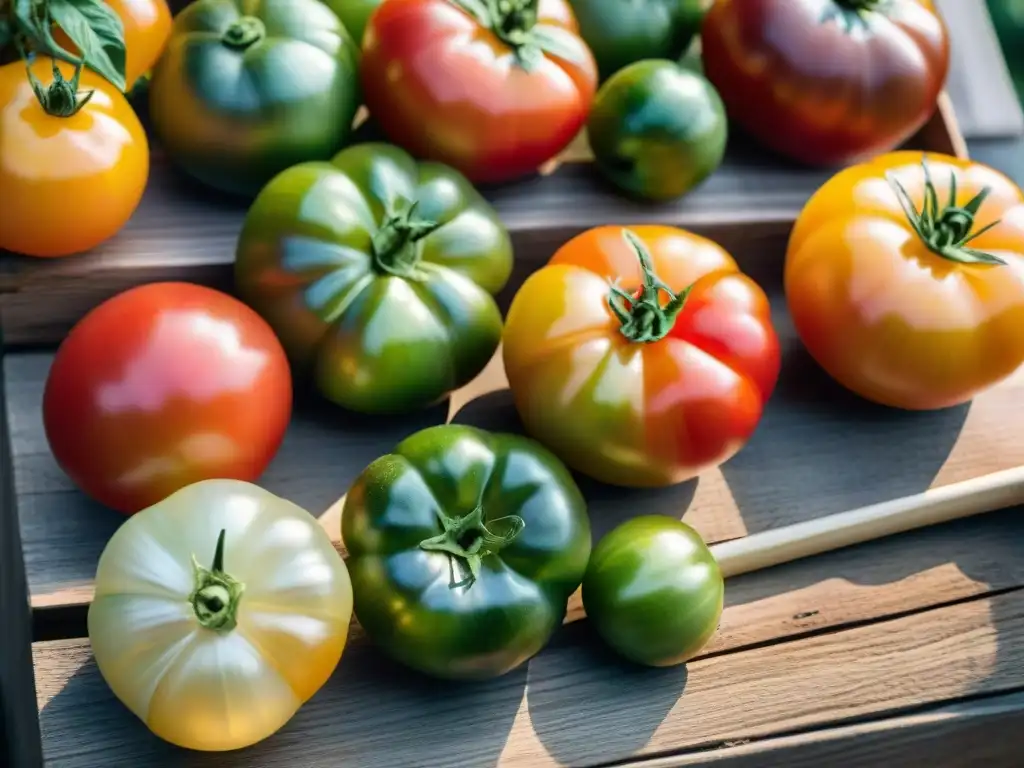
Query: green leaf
[97, 32]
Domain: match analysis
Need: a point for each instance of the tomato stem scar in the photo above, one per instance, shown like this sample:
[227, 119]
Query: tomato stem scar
[643, 319]
[394, 245]
[217, 594]
[945, 230]
[468, 539]
[243, 33]
[61, 98]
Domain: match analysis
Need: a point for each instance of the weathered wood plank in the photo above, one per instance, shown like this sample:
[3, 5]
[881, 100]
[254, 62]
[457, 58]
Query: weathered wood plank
[574, 705]
[19, 729]
[970, 734]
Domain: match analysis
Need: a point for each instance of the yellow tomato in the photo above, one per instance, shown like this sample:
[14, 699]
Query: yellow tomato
[147, 27]
[218, 657]
[905, 279]
[71, 174]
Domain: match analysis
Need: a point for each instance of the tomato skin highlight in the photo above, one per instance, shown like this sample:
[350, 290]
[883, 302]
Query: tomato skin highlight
[885, 316]
[640, 413]
[445, 88]
[162, 386]
[69, 183]
[654, 591]
[415, 602]
[887, 67]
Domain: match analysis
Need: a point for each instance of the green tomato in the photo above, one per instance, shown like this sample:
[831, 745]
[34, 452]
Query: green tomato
[354, 14]
[620, 32]
[657, 129]
[654, 591]
[244, 91]
[464, 547]
[377, 273]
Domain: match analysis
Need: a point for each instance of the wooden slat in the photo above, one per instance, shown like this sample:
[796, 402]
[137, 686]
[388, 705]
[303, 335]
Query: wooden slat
[574, 705]
[970, 734]
[979, 81]
[19, 729]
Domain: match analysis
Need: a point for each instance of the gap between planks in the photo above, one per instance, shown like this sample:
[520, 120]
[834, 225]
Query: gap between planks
[574, 704]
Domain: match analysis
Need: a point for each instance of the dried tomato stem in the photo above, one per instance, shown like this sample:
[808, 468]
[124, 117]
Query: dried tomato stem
[217, 594]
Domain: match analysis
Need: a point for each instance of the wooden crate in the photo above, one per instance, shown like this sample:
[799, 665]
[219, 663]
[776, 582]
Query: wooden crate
[908, 647]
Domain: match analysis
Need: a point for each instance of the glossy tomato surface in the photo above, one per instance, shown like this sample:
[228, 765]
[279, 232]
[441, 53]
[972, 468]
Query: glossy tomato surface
[654, 591]
[68, 183]
[246, 90]
[635, 412]
[147, 27]
[464, 546]
[657, 129]
[448, 85]
[234, 599]
[162, 386]
[378, 275]
[889, 317]
[827, 82]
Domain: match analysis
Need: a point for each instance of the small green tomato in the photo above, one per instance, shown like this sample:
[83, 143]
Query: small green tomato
[654, 591]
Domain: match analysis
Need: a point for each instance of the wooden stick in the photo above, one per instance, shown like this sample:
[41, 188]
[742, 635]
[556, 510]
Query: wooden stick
[938, 505]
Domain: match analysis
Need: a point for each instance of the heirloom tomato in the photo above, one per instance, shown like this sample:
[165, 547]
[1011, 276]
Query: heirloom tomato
[165, 385]
[218, 613]
[640, 356]
[905, 279]
[464, 547]
[245, 90]
[377, 274]
[494, 89]
[653, 591]
[827, 82]
[620, 32]
[73, 159]
[657, 129]
[147, 26]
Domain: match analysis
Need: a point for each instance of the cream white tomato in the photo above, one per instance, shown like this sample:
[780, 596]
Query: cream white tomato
[218, 612]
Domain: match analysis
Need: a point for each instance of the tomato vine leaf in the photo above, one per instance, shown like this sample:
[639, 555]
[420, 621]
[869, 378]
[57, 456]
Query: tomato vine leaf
[98, 33]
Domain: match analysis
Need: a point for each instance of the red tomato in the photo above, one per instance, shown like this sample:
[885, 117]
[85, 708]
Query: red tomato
[827, 82]
[649, 390]
[494, 96]
[163, 386]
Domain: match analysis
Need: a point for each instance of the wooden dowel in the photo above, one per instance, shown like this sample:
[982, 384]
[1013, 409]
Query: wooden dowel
[938, 505]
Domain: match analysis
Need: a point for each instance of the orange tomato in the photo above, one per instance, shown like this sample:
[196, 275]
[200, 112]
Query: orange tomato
[69, 182]
[641, 357]
[147, 27]
[890, 293]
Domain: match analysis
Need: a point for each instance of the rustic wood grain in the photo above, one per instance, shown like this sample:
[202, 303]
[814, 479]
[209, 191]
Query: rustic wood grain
[574, 704]
[969, 734]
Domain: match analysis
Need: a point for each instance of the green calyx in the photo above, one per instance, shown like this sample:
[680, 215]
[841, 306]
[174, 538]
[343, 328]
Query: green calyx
[217, 594]
[861, 6]
[243, 33]
[394, 245]
[61, 97]
[468, 540]
[643, 318]
[513, 21]
[946, 230]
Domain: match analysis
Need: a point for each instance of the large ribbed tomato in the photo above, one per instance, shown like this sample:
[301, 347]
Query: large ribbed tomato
[641, 357]
[905, 279]
[827, 81]
[493, 89]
